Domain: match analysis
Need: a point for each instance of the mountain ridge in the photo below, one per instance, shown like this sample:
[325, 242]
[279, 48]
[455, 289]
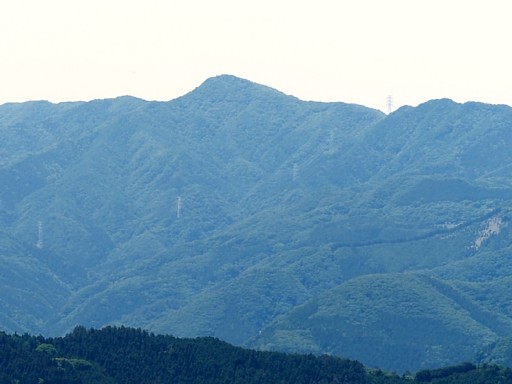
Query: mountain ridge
[223, 212]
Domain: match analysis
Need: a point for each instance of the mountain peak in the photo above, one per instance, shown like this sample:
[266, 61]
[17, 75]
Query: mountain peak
[232, 88]
[227, 79]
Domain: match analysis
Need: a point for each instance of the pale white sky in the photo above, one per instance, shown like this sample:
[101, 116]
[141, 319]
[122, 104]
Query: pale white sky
[356, 51]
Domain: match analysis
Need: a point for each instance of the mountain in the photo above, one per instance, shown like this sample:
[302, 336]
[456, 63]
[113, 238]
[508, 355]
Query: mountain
[239, 212]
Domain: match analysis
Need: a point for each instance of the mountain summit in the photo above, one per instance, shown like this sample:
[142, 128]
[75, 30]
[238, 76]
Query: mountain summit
[239, 212]
[229, 85]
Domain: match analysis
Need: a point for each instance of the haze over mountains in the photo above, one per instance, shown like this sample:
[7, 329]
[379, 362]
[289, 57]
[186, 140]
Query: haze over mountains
[239, 212]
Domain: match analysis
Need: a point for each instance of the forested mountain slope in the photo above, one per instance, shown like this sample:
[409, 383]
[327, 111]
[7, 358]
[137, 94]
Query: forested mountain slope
[128, 355]
[239, 212]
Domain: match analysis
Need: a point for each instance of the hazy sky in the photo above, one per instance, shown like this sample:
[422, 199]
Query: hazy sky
[356, 51]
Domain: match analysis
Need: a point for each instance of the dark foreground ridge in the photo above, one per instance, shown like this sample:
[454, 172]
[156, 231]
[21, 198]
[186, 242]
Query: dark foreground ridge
[129, 355]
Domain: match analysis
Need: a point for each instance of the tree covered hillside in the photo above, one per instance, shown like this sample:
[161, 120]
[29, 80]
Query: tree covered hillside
[127, 355]
[242, 213]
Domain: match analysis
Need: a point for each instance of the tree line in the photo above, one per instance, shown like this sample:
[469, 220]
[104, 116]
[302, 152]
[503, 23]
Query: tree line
[127, 355]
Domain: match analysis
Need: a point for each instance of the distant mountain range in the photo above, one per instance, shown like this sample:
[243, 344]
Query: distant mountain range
[239, 212]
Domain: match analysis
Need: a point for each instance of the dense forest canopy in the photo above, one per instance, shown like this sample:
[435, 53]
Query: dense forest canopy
[128, 355]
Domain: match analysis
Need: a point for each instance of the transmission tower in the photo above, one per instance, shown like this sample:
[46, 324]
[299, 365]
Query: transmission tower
[295, 171]
[40, 243]
[390, 104]
[178, 207]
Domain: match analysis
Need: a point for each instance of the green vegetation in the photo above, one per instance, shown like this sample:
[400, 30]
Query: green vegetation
[323, 228]
[127, 355]
[419, 319]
